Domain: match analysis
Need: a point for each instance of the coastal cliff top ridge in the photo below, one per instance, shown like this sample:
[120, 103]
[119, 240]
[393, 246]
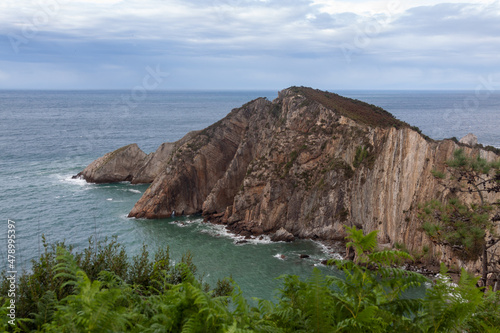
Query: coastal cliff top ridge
[354, 109]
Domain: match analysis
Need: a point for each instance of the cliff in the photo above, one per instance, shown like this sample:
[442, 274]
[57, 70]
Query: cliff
[308, 162]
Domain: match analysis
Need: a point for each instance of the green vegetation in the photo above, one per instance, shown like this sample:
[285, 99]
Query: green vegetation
[293, 156]
[276, 110]
[361, 244]
[438, 174]
[339, 164]
[361, 154]
[470, 229]
[364, 155]
[492, 149]
[47, 284]
[154, 296]
[459, 225]
[419, 131]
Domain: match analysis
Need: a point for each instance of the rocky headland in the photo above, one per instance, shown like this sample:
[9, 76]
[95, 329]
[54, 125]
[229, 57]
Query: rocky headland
[301, 166]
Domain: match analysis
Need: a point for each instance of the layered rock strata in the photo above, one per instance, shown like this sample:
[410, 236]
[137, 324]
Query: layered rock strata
[306, 164]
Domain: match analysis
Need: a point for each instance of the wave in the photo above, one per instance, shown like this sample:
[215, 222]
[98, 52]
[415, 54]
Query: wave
[70, 180]
[328, 251]
[182, 224]
[217, 230]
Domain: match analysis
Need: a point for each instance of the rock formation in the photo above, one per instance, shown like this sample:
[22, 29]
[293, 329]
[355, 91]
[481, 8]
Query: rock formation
[119, 165]
[306, 164]
[282, 236]
[470, 139]
[130, 163]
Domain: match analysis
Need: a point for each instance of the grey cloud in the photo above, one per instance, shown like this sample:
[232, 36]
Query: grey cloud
[279, 43]
[451, 19]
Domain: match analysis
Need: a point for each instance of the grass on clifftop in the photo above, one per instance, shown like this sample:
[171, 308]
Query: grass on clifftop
[352, 108]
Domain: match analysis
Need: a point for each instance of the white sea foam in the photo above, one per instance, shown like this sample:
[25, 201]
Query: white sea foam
[179, 224]
[134, 191]
[69, 179]
[218, 230]
[279, 256]
[182, 224]
[109, 199]
[329, 251]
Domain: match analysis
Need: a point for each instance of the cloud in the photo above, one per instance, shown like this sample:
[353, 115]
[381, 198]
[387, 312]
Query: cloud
[272, 41]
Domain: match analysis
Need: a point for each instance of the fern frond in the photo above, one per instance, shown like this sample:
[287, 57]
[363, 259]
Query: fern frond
[388, 257]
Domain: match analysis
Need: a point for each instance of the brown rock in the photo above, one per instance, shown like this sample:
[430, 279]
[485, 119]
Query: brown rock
[119, 165]
[257, 231]
[245, 233]
[294, 163]
[130, 163]
[282, 235]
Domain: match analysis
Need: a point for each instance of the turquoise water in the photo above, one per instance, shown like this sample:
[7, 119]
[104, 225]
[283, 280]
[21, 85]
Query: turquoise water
[46, 137]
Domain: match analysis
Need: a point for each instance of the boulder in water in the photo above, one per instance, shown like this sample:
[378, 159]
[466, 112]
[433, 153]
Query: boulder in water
[282, 235]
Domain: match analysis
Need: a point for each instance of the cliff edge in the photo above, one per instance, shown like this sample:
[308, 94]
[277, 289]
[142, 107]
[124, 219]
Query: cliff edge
[308, 162]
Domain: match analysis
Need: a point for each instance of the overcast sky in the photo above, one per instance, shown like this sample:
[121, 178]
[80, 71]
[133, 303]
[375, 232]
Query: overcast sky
[248, 44]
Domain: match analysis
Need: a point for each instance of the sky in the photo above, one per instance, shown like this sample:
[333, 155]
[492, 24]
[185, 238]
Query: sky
[249, 44]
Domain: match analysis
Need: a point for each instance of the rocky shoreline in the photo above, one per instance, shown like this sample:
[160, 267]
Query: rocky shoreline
[336, 249]
[332, 249]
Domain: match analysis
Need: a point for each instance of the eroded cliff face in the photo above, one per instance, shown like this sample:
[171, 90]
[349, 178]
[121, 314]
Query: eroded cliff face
[308, 162]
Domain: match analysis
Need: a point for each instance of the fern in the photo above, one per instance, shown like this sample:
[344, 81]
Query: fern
[448, 307]
[318, 302]
[91, 308]
[357, 300]
[361, 243]
[45, 309]
[388, 257]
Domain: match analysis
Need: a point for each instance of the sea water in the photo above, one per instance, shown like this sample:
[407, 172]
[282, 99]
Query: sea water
[48, 136]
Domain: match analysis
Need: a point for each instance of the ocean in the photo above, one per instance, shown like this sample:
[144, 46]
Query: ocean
[46, 137]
